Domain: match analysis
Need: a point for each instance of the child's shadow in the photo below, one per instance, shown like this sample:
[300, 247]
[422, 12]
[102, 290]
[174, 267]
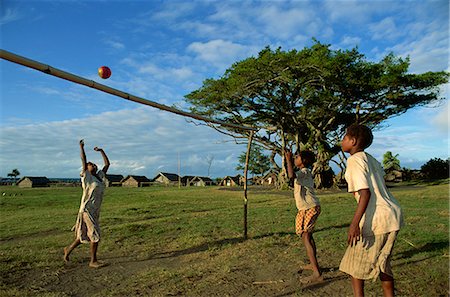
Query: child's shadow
[427, 248]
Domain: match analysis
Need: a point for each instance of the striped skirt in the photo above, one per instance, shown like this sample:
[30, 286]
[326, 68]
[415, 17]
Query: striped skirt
[369, 256]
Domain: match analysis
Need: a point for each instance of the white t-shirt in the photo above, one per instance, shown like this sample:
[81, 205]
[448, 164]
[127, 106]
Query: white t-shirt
[383, 213]
[304, 194]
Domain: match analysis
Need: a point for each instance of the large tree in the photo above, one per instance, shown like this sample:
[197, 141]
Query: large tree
[305, 99]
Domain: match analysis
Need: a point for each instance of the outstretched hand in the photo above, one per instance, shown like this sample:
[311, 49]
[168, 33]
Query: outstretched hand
[97, 149]
[82, 142]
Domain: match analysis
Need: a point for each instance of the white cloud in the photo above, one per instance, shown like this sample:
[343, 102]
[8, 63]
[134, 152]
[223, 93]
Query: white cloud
[137, 141]
[114, 44]
[385, 29]
[219, 52]
[8, 15]
[349, 41]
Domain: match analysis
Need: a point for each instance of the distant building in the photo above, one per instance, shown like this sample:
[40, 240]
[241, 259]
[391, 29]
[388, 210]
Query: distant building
[167, 178]
[33, 182]
[135, 181]
[270, 179]
[394, 176]
[198, 181]
[231, 181]
[114, 180]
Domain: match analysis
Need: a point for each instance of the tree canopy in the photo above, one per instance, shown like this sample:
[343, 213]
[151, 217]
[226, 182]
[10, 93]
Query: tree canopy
[310, 96]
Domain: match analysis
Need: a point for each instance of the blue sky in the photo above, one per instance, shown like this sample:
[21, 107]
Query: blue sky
[163, 50]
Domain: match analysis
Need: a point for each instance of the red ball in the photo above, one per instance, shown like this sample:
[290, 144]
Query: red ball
[104, 72]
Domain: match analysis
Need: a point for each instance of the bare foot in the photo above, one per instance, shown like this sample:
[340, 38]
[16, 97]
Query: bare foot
[66, 255]
[96, 264]
[312, 279]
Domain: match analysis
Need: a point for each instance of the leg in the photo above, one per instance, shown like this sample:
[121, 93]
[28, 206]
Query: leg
[93, 250]
[358, 287]
[387, 283]
[310, 246]
[70, 248]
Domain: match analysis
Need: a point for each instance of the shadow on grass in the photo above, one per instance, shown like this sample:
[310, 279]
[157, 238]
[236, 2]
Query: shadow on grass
[427, 248]
[227, 241]
[315, 286]
[215, 244]
[332, 227]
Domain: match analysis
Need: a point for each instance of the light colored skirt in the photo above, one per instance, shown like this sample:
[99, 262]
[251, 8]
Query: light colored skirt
[369, 256]
[305, 220]
[87, 228]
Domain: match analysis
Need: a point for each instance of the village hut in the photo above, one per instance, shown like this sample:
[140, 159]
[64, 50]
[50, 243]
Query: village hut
[394, 176]
[270, 179]
[231, 181]
[114, 180]
[167, 178]
[135, 181]
[200, 181]
[33, 182]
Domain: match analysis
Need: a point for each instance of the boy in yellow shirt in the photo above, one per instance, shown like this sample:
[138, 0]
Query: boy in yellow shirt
[377, 219]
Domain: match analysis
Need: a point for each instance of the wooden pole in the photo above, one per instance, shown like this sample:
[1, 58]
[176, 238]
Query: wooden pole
[247, 158]
[92, 84]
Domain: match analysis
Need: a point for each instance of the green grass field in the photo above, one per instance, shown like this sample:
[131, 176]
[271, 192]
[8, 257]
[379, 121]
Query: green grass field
[188, 242]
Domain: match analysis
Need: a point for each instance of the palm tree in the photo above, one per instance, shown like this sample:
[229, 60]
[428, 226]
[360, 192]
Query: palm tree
[390, 162]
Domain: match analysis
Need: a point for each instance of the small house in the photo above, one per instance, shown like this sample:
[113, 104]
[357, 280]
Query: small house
[394, 176]
[33, 182]
[200, 181]
[231, 181]
[270, 179]
[135, 181]
[167, 178]
[114, 180]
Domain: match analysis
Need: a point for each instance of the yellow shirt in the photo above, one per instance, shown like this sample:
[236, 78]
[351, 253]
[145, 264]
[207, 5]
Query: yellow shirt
[383, 213]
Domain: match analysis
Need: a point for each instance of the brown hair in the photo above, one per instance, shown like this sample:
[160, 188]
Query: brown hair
[362, 133]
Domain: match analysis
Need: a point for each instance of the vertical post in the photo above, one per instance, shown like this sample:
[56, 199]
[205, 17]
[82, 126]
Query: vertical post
[247, 157]
[179, 177]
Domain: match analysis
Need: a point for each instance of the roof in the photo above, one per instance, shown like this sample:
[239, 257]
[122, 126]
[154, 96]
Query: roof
[37, 180]
[139, 178]
[234, 178]
[169, 176]
[203, 178]
[114, 177]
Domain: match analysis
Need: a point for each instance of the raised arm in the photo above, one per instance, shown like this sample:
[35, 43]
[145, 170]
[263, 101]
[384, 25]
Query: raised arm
[83, 155]
[105, 159]
[289, 164]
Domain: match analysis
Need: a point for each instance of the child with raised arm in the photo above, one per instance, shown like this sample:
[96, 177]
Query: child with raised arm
[87, 227]
[308, 207]
[377, 219]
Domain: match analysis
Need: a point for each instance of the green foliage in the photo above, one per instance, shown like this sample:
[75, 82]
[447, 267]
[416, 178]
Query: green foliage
[311, 95]
[436, 169]
[258, 163]
[390, 162]
[14, 173]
